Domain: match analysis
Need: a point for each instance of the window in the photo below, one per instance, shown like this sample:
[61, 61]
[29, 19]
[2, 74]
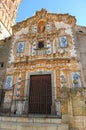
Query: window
[63, 42]
[40, 16]
[41, 45]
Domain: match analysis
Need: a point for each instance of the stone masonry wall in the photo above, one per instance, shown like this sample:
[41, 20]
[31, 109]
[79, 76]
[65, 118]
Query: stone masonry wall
[4, 57]
[81, 48]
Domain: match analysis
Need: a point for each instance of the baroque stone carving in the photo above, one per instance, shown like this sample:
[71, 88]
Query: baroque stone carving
[58, 108]
[19, 108]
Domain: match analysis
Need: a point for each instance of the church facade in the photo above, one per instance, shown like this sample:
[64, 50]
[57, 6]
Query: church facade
[44, 74]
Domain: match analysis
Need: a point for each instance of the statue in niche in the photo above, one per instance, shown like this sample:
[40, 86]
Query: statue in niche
[58, 108]
[41, 26]
[41, 29]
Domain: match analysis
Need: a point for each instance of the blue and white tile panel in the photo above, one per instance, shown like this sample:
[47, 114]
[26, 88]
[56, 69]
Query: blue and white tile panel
[76, 76]
[49, 47]
[19, 86]
[33, 49]
[9, 81]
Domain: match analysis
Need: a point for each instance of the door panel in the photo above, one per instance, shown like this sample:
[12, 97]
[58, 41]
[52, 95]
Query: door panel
[40, 96]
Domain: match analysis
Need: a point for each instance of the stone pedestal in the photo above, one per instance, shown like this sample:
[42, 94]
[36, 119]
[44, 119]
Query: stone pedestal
[19, 108]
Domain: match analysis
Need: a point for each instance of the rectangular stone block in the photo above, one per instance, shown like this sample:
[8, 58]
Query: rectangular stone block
[24, 119]
[63, 127]
[24, 128]
[8, 126]
[55, 121]
[51, 128]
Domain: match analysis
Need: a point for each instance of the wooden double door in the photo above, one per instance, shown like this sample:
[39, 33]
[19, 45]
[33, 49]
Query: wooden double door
[40, 94]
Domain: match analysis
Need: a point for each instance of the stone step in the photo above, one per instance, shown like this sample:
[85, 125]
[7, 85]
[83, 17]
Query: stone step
[30, 120]
[12, 123]
[31, 126]
[4, 129]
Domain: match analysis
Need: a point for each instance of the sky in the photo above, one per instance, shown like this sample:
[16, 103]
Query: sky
[76, 8]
